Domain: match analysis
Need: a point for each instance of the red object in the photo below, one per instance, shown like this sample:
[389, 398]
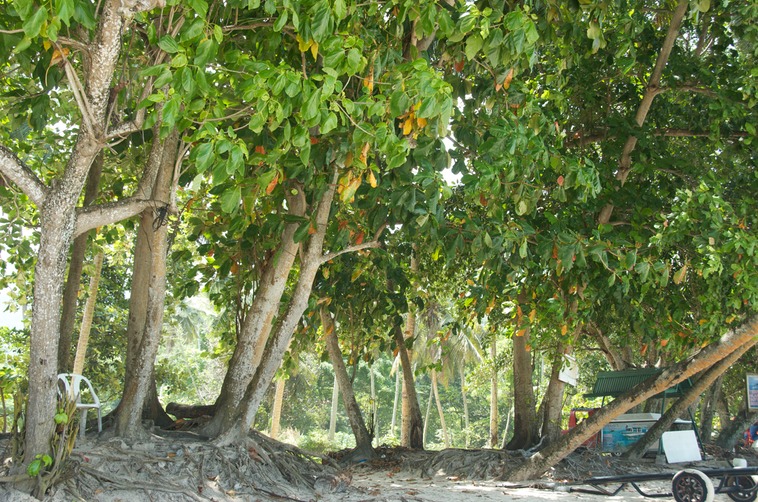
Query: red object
[574, 420]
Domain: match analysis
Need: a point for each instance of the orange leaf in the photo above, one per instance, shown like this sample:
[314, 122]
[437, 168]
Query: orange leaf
[369, 81]
[311, 230]
[408, 125]
[459, 65]
[508, 78]
[664, 343]
[421, 122]
[564, 329]
[644, 349]
[482, 199]
[260, 149]
[272, 184]
[364, 152]
[359, 238]
[521, 332]
[314, 140]
[560, 181]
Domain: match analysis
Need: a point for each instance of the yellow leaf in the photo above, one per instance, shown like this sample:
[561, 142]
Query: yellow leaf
[59, 55]
[371, 179]
[314, 50]
[521, 332]
[680, 274]
[369, 82]
[564, 329]
[532, 315]
[356, 273]
[364, 152]
[421, 122]
[303, 45]
[408, 126]
[508, 78]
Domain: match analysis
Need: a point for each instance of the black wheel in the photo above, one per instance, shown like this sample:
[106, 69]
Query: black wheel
[745, 489]
[691, 485]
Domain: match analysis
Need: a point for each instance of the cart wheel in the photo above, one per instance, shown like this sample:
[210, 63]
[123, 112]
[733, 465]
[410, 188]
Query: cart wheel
[691, 485]
[746, 488]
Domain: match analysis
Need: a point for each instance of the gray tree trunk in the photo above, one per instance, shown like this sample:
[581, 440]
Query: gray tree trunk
[638, 449]
[494, 419]
[363, 439]
[412, 425]
[525, 416]
[335, 409]
[709, 409]
[74, 277]
[538, 463]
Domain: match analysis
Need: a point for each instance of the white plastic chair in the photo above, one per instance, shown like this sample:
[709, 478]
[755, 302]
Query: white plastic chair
[72, 386]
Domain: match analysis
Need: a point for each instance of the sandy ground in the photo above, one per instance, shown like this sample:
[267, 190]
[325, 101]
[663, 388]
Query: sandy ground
[382, 486]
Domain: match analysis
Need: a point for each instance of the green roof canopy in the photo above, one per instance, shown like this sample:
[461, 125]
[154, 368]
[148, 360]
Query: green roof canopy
[615, 383]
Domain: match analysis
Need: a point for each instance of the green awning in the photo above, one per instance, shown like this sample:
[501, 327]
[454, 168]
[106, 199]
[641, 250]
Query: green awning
[615, 383]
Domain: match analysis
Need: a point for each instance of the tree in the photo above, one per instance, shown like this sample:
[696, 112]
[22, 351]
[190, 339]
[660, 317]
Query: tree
[57, 201]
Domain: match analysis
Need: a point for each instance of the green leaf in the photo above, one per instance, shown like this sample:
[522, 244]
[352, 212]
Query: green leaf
[206, 50]
[281, 21]
[199, 6]
[321, 17]
[230, 200]
[168, 44]
[302, 232]
[204, 156]
[399, 103]
[312, 106]
[60, 418]
[23, 8]
[33, 25]
[473, 45]
[329, 124]
[34, 467]
[340, 9]
[64, 9]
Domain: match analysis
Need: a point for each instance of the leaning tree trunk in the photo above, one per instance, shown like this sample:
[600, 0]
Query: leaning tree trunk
[75, 268]
[311, 259]
[709, 409]
[638, 449]
[552, 408]
[538, 463]
[412, 427]
[427, 415]
[525, 416]
[257, 324]
[138, 387]
[89, 313]
[363, 439]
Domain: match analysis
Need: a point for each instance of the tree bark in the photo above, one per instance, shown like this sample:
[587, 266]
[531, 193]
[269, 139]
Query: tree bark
[89, 313]
[276, 414]
[428, 414]
[638, 449]
[335, 409]
[525, 416]
[412, 425]
[440, 411]
[57, 213]
[363, 439]
[137, 388]
[257, 324]
[466, 421]
[494, 422]
[705, 358]
[398, 386]
[74, 278]
[709, 409]
[553, 401]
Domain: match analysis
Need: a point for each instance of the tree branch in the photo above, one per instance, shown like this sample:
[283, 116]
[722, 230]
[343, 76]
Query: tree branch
[651, 91]
[374, 243]
[23, 177]
[98, 215]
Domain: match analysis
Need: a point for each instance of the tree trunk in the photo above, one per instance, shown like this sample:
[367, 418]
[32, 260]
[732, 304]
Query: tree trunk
[412, 431]
[141, 380]
[374, 427]
[440, 411]
[257, 325]
[57, 216]
[89, 313]
[428, 414]
[553, 401]
[311, 260]
[393, 429]
[276, 414]
[335, 408]
[494, 421]
[363, 438]
[554, 453]
[709, 409]
[74, 278]
[466, 422]
[638, 449]
[183, 411]
[525, 416]
[732, 430]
